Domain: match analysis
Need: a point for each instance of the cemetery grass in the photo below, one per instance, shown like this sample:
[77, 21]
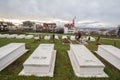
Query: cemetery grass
[63, 69]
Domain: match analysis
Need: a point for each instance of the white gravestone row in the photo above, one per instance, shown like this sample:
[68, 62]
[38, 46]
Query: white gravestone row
[2, 36]
[12, 36]
[41, 62]
[84, 63]
[16, 36]
[110, 54]
[10, 53]
[6, 35]
[20, 36]
[47, 37]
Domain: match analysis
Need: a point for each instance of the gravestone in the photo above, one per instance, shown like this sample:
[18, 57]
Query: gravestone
[47, 37]
[84, 63]
[110, 54]
[9, 53]
[72, 37]
[64, 37]
[6, 35]
[29, 37]
[41, 63]
[2, 36]
[56, 37]
[12, 36]
[20, 36]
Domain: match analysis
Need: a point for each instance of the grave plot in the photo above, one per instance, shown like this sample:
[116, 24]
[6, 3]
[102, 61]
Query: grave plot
[12, 36]
[47, 37]
[72, 37]
[36, 37]
[41, 63]
[84, 63]
[29, 37]
[20, 36]
[64, 37]
[9, 53]
[89, 38]
[56, 37]
[2, 36]
[110, 54]
[6, 35]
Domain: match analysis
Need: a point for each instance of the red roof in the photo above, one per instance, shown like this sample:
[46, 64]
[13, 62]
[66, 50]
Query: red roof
[69, 25]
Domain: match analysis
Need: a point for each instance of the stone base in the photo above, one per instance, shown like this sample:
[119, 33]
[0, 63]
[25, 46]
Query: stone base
[49, 74]
[78, 74]
[4, 66]
[110, 58]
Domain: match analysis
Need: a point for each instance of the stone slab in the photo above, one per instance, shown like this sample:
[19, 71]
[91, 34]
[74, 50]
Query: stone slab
[72, 37]
[110, 54]
[47, 37]
[29, 37]
[9, 53]
[84, 63]
[41, 62]
[63, 37]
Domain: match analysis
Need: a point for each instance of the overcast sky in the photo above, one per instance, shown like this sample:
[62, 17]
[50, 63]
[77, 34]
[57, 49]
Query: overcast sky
[106, 11]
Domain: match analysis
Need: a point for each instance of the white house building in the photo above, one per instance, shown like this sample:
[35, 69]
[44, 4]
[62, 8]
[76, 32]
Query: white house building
[69, 28]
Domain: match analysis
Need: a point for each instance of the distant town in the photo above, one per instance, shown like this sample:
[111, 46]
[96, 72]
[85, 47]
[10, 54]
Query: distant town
[52, 27]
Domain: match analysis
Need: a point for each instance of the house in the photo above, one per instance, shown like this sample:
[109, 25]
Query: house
[49, 27]
[28, 26]
[69, 28]
[4, 26]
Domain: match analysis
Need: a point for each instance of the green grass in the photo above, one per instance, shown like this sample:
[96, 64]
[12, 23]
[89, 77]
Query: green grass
[63, 69]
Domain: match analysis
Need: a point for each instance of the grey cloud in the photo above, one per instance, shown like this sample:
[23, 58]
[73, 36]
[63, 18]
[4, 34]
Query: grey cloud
[99, 10]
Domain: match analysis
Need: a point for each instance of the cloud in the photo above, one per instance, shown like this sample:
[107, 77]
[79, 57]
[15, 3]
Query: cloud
[95, 10]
